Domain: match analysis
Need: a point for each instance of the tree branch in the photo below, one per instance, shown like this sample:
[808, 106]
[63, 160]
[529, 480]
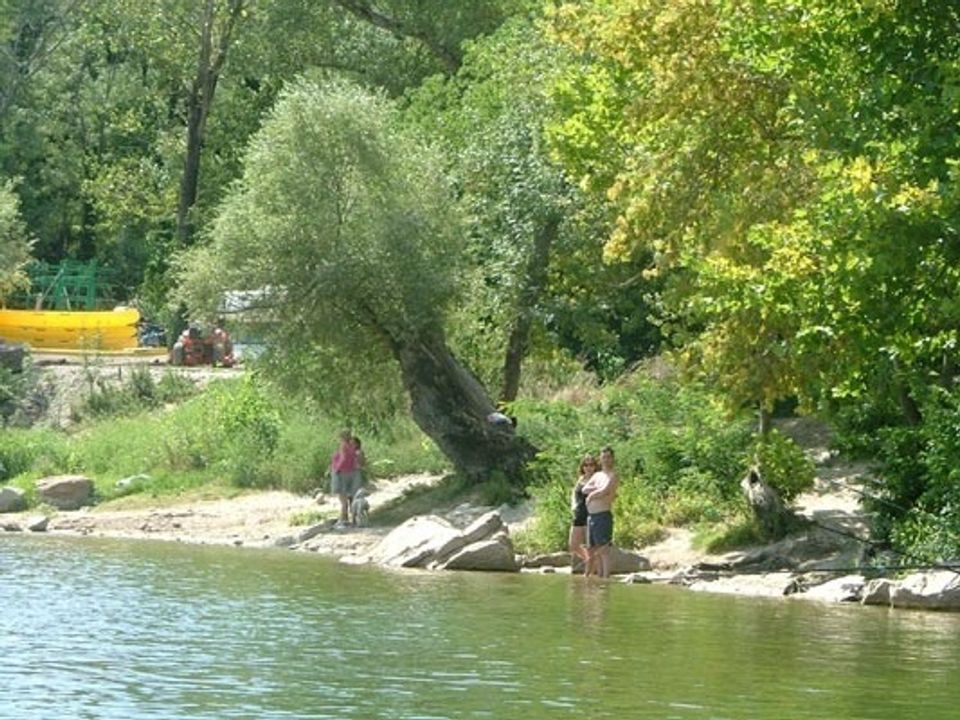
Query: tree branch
[450, 58]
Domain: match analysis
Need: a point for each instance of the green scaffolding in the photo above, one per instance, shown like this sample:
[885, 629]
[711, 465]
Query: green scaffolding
[69, 285]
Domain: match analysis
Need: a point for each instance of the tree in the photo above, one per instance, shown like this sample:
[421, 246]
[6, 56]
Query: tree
[216, 36]
[522, 208]
[789, 165]
[14, 242]
[345, 222]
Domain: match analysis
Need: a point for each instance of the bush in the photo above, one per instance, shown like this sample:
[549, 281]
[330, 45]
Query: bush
[783, 465]
[137, 392]
[43, 451]
[679, 456]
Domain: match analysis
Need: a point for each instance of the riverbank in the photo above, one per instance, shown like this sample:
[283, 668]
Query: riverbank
[255, 519]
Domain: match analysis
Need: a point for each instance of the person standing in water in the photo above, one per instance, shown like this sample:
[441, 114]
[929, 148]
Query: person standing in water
[578, 506]
[601, 491]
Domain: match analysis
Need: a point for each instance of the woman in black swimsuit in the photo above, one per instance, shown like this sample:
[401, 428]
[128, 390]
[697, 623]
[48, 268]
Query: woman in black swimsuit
[578, 505]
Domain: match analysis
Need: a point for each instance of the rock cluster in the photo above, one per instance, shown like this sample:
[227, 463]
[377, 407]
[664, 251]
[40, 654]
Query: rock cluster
[429, 541]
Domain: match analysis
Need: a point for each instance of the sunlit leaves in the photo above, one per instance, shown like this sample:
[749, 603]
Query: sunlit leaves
[14, 244]
[790, 166]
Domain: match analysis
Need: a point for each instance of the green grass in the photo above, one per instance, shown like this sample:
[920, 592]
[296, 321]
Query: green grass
[234, 435]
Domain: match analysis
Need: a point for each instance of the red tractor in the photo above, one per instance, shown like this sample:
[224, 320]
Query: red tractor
[193, 347]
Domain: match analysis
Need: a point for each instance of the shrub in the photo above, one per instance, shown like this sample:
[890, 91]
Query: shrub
[783, 465]
[679, 456]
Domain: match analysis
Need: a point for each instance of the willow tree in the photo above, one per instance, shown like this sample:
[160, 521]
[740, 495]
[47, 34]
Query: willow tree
[347, 230]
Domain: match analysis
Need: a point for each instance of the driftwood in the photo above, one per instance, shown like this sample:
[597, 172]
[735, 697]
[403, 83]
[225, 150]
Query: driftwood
[774, 517]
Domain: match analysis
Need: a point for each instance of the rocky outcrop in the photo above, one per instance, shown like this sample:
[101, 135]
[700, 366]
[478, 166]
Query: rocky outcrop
[12, 499]
[495, 554]
[432, 542]
[413, 543]
[38, 523]
[65, 492]
[848, 588]
[624, 562]
[934, 590]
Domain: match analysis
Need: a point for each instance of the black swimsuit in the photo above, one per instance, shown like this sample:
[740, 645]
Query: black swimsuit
[579, 506]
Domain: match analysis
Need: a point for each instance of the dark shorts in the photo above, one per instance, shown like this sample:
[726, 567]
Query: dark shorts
[600, 528]
[345, 483]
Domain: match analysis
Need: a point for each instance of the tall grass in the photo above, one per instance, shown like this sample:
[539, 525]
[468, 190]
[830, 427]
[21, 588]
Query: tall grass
[237, 433]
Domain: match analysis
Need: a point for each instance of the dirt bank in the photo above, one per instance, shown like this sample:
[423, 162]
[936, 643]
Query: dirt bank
[256, 519]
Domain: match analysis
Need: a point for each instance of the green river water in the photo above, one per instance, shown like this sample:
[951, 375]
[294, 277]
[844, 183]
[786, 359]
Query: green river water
[135, 630]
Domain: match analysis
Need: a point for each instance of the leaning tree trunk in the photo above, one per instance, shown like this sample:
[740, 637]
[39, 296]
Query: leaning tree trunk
[451, 406]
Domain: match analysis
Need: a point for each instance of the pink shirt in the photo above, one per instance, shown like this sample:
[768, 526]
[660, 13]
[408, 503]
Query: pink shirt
[344, 459]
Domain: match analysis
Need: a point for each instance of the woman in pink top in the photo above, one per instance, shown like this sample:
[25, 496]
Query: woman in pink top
[345, 475]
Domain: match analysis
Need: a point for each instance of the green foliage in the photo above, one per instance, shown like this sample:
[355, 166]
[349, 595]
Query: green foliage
[347, 224]
[137, 392]
[14, 242]
[783, 465]
[801, 228]
[234, 433]
[22, 451]
[917, 497]
[680, 457]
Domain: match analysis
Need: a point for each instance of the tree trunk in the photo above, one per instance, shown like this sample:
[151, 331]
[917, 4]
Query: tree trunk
[451, 406]
[536, 279]
[765, 422]
[774, 518]
[209, 65]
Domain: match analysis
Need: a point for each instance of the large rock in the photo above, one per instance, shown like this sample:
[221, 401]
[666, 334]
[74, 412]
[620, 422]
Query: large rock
[483, 528]
[65, 492]
[877, 592]
[12, 499]
[37, 523]
[937, 590]
[624, 562]
[414, 543]
[848, 588]
[495, 555]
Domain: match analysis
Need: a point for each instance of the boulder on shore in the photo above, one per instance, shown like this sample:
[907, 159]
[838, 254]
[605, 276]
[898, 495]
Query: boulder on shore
[65, 492]
[428, 541]
[935, 590]
[12, 499]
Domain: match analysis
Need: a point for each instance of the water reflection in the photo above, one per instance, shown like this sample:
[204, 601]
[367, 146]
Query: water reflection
[140, 630]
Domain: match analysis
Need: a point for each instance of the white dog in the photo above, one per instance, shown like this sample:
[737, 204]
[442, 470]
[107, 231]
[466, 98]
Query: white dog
[359, 508]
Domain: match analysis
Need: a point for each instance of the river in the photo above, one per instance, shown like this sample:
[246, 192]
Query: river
[128, 630]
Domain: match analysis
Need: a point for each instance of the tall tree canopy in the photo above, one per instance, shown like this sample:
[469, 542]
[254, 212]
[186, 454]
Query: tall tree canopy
[347, 226]
[792, 166]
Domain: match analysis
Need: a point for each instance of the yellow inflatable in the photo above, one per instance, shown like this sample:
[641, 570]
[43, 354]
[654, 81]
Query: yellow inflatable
[71, 330]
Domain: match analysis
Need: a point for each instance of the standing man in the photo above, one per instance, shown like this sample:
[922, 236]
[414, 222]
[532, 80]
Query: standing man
[345, 475]
[601, 491]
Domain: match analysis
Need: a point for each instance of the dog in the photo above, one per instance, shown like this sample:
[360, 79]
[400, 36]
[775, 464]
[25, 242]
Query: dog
[359, 508]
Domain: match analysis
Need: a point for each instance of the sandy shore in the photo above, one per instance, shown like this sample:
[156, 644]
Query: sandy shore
[257, 519]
